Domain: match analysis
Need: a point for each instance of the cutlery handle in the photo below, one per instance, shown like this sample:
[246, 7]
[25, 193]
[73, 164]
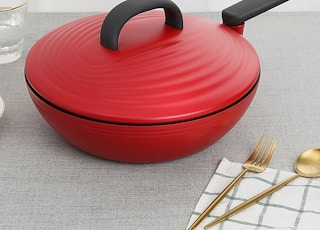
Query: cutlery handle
[217, 199]
[251, 201]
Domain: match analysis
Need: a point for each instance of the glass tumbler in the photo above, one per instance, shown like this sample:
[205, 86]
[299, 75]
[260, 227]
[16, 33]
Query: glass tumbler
[12, 29]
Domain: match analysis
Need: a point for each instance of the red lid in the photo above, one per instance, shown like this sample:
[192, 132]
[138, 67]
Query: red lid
[158, 75]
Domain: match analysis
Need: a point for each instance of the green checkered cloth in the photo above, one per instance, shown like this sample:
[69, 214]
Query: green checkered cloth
[294, 207]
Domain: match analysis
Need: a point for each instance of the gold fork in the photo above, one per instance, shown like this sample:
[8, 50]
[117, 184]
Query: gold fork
[257, 162]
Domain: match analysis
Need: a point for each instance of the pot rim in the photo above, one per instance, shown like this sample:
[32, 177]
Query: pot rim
[255, 85]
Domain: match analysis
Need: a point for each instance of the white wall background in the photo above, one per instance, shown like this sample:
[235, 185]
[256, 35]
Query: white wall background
[184, 5]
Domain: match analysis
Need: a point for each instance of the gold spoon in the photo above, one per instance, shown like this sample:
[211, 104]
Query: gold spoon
[307, 165]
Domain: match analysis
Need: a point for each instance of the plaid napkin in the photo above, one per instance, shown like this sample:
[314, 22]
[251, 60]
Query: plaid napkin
[294, 207]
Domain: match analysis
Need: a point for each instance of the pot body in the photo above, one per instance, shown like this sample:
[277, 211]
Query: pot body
[167, 86]
[142, 143]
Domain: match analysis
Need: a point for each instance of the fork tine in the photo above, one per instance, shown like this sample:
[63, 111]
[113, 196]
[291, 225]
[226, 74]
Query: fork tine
[256, 149]
[268, 158]
[264, 150]
[260, 150]
[268, 151]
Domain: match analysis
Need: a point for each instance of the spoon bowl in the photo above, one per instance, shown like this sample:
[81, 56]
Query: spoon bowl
[308, 163]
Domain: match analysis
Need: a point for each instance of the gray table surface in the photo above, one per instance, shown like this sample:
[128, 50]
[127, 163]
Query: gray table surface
[47, 184]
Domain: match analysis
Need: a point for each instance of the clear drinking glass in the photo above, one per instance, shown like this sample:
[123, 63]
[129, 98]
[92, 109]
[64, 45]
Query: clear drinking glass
[1, 107]
[12, 29]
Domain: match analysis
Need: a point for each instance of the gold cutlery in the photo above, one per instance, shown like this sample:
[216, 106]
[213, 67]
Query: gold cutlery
[307, 165]
[257, 162]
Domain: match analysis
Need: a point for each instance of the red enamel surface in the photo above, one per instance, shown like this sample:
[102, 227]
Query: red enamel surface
[142, 144]
[159, 75]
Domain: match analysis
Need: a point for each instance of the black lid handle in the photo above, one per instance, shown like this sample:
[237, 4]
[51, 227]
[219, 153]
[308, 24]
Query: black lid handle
[242, 11]
[119, 15]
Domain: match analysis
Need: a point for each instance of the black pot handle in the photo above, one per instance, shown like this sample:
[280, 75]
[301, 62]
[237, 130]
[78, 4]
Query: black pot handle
[119, 15]
[242, 11]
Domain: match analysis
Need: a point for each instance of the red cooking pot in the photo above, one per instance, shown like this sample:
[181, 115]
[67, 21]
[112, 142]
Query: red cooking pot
[142, 85]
